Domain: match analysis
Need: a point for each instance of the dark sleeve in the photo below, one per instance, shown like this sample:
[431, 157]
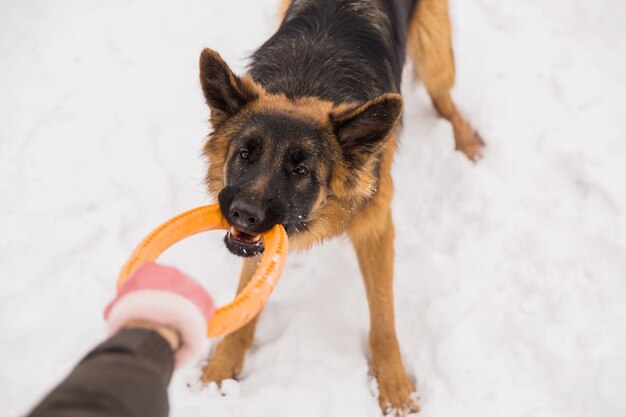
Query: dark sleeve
[126, 376]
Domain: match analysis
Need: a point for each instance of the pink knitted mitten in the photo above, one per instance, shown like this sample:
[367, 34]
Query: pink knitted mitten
[164, 295]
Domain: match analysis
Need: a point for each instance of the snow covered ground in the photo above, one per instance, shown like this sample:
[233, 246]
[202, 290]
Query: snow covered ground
[511, 274]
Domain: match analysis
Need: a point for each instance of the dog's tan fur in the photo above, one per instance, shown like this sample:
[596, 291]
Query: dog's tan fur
[282, 9]
[358, 205]
[227, 361]
[429, 45]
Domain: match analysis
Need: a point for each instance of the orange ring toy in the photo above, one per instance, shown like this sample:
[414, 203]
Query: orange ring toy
[254, 295]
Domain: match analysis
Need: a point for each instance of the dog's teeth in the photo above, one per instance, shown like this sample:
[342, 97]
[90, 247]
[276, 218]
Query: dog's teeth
[244, 236]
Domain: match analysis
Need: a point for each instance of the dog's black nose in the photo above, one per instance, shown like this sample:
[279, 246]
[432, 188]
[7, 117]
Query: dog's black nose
[245, 214]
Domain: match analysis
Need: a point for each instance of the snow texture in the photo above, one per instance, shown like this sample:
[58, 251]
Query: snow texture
[510, 274]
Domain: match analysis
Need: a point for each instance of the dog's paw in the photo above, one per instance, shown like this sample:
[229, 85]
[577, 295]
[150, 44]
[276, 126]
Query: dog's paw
[396, 393]
[468, 141]
[220, 369]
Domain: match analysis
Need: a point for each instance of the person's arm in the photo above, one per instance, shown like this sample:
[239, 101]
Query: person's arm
[127, 375]
[157, 321]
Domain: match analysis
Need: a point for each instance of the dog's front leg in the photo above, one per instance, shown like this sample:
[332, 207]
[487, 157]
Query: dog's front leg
[375, 252]
[227, 362]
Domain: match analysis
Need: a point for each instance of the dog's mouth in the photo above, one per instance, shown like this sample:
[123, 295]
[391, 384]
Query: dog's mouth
[243, 244]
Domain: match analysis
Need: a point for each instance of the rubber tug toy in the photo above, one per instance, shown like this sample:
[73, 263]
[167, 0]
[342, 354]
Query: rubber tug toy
[251, 299]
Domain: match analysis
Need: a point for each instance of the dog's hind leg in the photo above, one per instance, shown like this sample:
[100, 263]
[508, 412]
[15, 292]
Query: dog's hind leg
[227, 362]
[375, 252]
[282, 10]
[429, 45]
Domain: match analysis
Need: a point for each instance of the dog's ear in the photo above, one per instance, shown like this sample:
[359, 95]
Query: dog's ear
[225, 93]
[362, 130]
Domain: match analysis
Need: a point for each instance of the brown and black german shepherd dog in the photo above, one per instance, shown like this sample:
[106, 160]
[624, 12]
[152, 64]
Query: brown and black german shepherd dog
[306, 139]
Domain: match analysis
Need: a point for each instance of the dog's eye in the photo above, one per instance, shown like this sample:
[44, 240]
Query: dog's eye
[301, 170]
[244, 154]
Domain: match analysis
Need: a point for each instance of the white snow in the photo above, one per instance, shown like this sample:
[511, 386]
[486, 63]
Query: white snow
[511, 274]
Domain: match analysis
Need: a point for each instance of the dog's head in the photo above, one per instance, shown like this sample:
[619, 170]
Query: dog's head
[303, 163]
